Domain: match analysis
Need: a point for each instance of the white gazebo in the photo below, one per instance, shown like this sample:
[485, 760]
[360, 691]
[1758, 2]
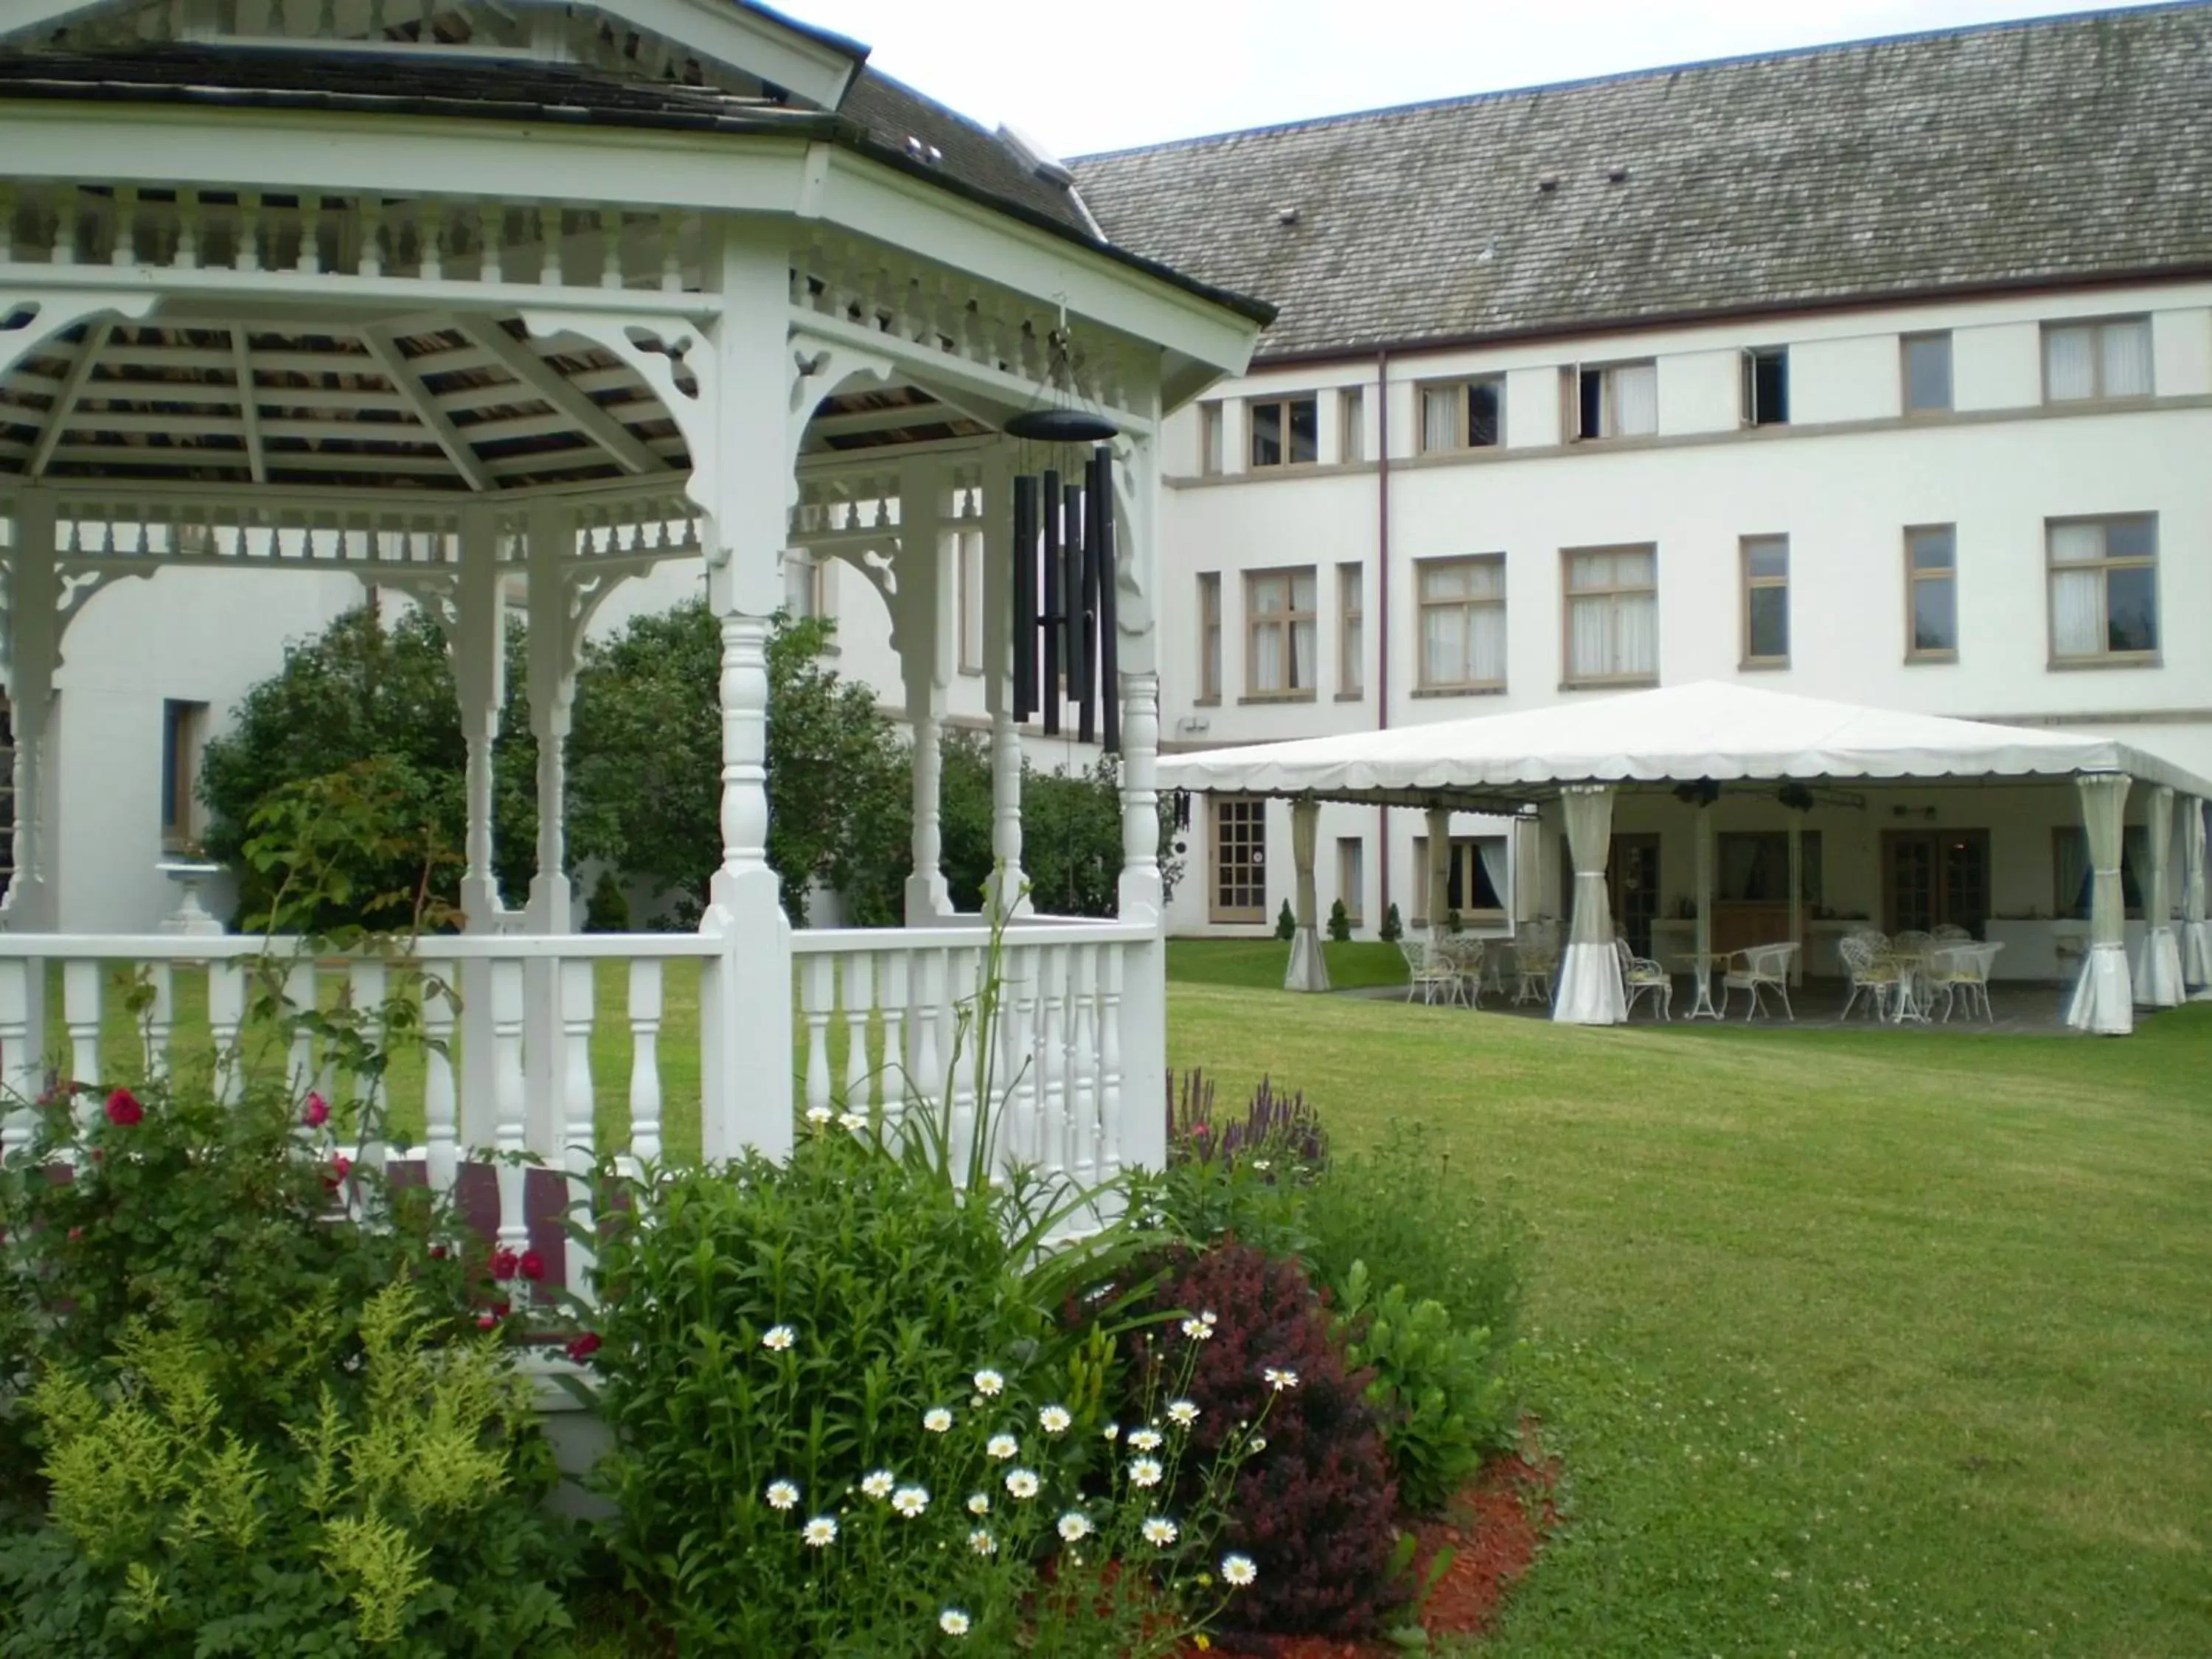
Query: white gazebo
[457, 298]
[1574, 761]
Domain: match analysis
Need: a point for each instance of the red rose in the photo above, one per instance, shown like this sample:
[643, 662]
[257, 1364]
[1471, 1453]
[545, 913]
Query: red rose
[124, 1109]
[533, 1265]
[584, 1346]
[503, 1264]
[500, 1309]
[437, 1253]
[317, 1112]
[75, 1234]
[487, 1320]
[341, 1167]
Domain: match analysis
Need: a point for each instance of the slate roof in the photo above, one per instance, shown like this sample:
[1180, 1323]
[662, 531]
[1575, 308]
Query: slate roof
[876, 118]
[2054, 151]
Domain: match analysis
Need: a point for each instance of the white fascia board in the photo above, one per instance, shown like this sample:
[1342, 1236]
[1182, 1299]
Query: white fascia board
[873, 200]
[23, 16]
[752, 40]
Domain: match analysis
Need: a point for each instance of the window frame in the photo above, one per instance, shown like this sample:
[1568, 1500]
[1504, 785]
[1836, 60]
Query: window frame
[1423, 604]
[1571, 397]
[1351, 878]
[1906, 343]
[1250, 811]
[1746, 584]
[2106, 657]
[1752, 356]
[1211, 634]
[2097, 325]
[1288, 621]
[1569, 679]
[1213, 440]
[184, 741]
[1351, 631]
[1283, 404]
[1351, 425]
[1463, 387]
[1914, 576]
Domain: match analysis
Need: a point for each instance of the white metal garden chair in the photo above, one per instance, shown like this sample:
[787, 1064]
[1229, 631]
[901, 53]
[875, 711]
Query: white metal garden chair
[1641, 976]
[1757, 969]
[1536, 962]
[1963, 973]
[1463, 952]
[1873, 974]
[1428, 971]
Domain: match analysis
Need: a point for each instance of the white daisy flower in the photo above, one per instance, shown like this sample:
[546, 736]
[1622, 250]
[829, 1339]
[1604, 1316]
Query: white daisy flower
[1022, 1483]
[878, 1484]
[1279, 1381]
[937, 1419]
[853, 1122]
[1207, 1319]
[982, 1543]
[1145, 1471]
[952, 1622]
[1001, 1446]
[818, 1115]
[988, 1383]
[1160, 1531]
[1074, 1527]
[910, 1501]
[777, 1337]
[782, 1495]
[979, 1503]
[1054, 1420]
[1145, 1440]
[1183, 1413]
[1261, 1165]
[1197, 1329]
[1238, 1570]
[1259, 1442]
[819, 1533]
[1113, 1430]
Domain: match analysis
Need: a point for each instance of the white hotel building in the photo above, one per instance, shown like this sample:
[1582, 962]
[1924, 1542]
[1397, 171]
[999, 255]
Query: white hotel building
[1880, 372]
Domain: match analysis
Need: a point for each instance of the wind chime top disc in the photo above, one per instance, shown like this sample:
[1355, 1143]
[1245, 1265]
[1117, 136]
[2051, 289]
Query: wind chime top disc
[1060, 426]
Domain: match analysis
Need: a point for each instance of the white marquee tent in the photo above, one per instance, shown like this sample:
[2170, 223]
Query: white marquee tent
[1582, 752]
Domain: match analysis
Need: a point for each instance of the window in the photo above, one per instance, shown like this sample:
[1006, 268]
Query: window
[1753, 868]
[184, 733]
[1209, 440]
[1766, 385]
[1931, 574]
[1927, 373]
[1462, 623]
[2083, 362]
[806, 584]
[2071, 872]
[1766, 601]
[1476, 878]
[1462, 415]
[1351, 877]
[1278, 646]
[1352, 424]
[1350, 630]
[1612, 614]
[1620, 400]
[1285, 432]
[1240, 858]
[1209, 636]
[970, 552]
[2104, 587]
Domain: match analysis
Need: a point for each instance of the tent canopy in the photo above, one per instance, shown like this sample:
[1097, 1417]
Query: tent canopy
[1674, 734]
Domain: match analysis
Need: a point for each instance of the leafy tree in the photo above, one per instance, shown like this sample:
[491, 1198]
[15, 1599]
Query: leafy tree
[368, 690]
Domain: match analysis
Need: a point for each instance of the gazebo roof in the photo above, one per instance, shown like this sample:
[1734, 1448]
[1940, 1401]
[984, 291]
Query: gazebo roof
[1676, 734]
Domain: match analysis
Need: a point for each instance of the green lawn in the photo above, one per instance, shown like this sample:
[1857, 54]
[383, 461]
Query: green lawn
[1852, 1341]
[1260, 963]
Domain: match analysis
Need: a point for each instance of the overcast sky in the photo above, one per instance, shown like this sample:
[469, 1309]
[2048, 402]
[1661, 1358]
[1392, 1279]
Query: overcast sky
[1082, 78]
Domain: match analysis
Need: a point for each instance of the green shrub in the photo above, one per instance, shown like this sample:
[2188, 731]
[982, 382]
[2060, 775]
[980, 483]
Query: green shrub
[1286, 925]
[1340, 922]
[1392, 929]
[1437, 1392]
[607, 911]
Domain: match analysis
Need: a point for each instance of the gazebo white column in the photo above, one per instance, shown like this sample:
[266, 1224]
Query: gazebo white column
[1590, 992]
[1701, 999]
[552, 698]
[1141, 898]
[1308, 971]
[1007, 895]
[923, 627]
[2103, 1001]
[478, 648]
[1437, 890]
[2197, 933]
[2158, 965]
[33, 655]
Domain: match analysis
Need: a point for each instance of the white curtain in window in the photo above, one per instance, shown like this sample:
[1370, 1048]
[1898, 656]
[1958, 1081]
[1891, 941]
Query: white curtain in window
[2104, 999]
[1268, 658]
[1485, 649]
[2127, 359]
[1440, 416]
[2070, 363]
[1639, 634]
[1636, 400]
[2197, 933]
[2158, 964]
[1590, 992]
[1495, 868]
[1589, 638]
[1302, 656]
[1307, 971]
[2077, 621]
[1444, 645]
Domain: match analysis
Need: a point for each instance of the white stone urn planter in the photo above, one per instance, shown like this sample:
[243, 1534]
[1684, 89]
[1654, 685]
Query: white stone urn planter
[190, 916]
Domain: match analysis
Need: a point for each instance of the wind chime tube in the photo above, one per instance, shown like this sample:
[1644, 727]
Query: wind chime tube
[1093, 687]
[1076, 653]
[1052, 612]
[1109, 677]
[1025, 596]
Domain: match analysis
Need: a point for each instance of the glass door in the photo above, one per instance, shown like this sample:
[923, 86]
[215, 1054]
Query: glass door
[1935, 878]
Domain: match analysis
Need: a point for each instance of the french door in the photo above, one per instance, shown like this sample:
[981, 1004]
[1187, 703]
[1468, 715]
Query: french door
[1935, 877]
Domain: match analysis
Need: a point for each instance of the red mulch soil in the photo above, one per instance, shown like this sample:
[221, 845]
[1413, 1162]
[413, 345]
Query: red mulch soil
[1494, 1528]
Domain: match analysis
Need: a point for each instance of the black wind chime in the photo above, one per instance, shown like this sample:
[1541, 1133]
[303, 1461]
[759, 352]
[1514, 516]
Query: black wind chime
[1064, 562]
